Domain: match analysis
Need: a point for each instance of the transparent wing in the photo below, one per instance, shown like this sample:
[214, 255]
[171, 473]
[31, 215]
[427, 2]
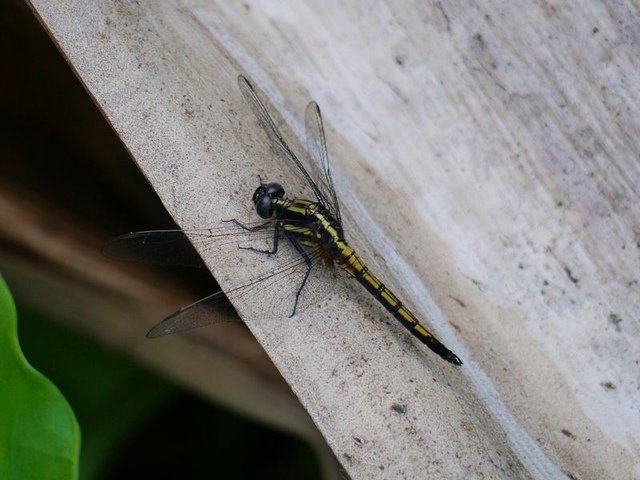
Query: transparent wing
[276, 279]
[279, 286]
[317, 145]
[323, 195]
[157, 247]
[199, 314]
[175, 247]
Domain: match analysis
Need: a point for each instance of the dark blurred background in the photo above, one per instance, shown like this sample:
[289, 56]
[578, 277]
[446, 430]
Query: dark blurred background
[66, 185]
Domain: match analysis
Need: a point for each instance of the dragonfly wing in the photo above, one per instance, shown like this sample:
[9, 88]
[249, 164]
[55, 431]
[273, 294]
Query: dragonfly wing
[175, 247]
[317, 145]
[279, 287]
[277, 141]
[156, 247]
[199, 314]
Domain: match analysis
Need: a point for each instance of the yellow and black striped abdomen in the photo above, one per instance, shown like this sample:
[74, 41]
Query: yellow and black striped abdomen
[351, 263]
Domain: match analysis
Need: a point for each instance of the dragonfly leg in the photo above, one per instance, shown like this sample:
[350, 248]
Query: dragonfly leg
[254, 228]
[307, 259]
[276, 237]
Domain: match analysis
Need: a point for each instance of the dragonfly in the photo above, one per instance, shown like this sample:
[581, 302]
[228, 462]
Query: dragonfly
[311, 225]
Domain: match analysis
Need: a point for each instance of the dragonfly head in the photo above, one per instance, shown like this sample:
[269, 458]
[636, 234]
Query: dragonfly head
[264, 197]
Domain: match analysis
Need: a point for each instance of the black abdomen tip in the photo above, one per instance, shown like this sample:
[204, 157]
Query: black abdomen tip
[444, 352]
[452, 358]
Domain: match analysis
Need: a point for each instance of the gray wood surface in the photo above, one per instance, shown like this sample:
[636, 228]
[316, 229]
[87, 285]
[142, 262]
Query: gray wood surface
[486, 155]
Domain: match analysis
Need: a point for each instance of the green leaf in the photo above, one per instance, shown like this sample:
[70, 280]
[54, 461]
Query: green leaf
[39, 434]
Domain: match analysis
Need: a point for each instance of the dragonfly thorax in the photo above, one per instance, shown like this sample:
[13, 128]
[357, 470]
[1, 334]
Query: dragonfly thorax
[264, 196]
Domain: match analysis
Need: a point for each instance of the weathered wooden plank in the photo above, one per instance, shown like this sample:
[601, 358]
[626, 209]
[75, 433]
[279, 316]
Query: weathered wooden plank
[488, 152]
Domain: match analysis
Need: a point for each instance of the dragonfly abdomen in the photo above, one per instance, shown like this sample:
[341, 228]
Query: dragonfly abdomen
[355, 267]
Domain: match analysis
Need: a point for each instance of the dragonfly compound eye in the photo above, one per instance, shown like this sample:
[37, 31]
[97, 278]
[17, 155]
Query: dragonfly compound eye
[275, 190]
[264, 207]
[260, 192]
[263, 202]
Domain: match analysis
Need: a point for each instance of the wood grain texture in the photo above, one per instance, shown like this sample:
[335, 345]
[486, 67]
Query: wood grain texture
[487, 158]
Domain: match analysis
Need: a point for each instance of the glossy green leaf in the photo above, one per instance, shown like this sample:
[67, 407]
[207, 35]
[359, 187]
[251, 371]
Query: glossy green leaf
[39, 434]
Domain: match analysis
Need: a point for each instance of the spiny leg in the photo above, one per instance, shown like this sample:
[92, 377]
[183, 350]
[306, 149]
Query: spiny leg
[256, 228]
[307, 260]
